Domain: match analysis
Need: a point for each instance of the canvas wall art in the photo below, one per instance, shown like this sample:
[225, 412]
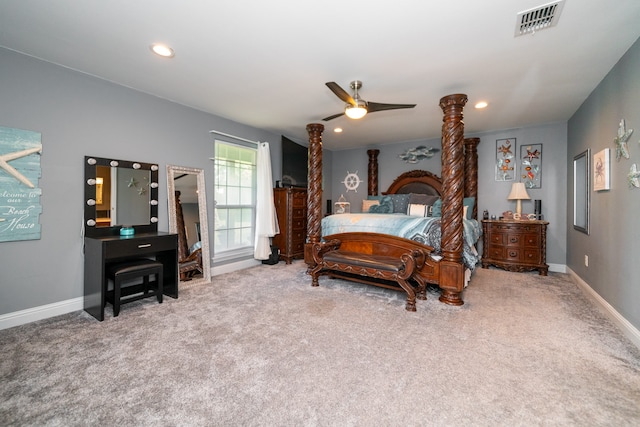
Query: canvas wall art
[20, 193]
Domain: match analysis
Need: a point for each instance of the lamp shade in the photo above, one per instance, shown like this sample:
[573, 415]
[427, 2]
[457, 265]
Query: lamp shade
[518, 192]
[357, 111]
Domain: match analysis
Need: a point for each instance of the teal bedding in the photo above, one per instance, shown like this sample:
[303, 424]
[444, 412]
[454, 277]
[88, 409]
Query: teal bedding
[425, 230]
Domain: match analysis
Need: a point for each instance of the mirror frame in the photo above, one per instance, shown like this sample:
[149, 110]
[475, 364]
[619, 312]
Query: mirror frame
[90, 168]
[581, 194]
[172, 171]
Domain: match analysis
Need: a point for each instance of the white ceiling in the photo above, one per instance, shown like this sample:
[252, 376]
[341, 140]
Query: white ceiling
[264, 63]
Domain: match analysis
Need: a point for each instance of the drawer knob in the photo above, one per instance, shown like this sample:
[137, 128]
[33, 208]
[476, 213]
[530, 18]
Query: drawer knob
[145, 245]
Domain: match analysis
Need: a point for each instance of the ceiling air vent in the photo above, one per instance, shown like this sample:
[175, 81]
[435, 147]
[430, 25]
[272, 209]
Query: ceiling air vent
[538, 18]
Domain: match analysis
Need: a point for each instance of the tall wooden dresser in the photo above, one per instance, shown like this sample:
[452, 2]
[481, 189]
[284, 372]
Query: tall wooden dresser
[515, 245]
[291, 208]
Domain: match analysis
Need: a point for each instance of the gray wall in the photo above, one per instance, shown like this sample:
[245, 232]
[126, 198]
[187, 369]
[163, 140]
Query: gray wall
[81, 115]
[492, 195]
[613, 245]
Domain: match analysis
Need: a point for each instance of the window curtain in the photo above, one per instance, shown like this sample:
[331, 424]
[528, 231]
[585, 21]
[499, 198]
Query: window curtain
[266, 219]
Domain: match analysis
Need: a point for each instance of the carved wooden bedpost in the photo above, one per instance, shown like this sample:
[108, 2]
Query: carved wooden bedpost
[314, 190]
[372, 187]
[471, 171]
[451, 267]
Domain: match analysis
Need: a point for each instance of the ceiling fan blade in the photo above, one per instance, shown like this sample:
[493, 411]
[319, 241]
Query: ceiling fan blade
[372, 107]
[326, 119]
[340, 93]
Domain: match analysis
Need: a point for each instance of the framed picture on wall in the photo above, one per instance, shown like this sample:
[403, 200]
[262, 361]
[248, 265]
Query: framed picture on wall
[505, 164]
[601, 170]
[531, 165]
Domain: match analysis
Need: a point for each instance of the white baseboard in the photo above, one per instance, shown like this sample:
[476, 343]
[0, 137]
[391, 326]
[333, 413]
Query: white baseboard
[29, 315]
[627, 328]
[234, 266]
[558, 268]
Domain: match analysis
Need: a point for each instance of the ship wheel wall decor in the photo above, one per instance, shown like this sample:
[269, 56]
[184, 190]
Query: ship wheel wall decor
[352, 181]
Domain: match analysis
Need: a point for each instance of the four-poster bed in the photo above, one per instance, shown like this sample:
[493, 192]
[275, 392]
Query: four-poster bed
[459, 180]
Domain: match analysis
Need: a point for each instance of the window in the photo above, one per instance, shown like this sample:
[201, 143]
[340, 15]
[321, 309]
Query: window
[235, 200]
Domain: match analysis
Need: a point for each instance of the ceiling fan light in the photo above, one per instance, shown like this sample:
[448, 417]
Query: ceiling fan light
[357, 111]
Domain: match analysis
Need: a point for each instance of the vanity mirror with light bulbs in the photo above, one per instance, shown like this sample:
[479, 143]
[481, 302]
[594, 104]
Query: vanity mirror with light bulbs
[188, 219]
[122, 195]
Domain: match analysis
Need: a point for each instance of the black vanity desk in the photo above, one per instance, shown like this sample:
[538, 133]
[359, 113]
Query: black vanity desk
[100, 251]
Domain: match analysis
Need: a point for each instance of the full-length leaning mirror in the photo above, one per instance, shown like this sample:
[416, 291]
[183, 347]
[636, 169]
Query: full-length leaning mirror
[581, 192]
[188, 219]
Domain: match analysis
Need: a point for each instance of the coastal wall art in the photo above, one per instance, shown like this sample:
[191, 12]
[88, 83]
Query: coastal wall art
[20, 193]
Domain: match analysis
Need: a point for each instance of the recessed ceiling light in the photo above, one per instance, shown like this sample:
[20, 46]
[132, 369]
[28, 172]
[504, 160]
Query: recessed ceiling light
[162, 50]
[337, 130]
[481, 104]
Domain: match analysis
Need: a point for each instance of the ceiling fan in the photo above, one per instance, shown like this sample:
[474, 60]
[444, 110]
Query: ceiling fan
[357, 107]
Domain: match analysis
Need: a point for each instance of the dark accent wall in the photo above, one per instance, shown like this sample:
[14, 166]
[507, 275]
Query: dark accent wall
[613, 245]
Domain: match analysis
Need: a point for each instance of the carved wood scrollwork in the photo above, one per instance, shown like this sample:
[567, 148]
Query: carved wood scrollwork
[314, 193]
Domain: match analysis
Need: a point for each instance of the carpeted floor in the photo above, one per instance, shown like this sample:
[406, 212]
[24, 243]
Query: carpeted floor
[261, 347]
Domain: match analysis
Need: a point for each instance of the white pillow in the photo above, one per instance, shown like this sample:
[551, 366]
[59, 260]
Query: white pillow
[417, 210]
[366, 204]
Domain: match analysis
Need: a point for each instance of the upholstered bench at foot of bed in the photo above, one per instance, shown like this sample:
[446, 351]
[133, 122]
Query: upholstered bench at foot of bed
[333, 261]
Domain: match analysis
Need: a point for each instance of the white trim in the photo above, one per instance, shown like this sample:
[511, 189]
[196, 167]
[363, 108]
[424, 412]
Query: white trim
[234, 266]
[234, 137]
[558, 268]
[626, 327]
[29, 315]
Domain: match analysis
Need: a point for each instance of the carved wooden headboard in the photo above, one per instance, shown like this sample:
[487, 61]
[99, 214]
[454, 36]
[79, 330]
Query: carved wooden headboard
[416, 181]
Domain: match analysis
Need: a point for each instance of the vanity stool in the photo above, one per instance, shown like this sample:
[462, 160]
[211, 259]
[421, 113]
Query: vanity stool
[132, 269]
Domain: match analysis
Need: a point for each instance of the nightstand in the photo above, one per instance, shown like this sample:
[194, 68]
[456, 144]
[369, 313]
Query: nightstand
[515, 245]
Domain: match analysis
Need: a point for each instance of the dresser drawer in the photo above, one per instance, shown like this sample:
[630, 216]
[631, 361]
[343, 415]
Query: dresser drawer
[495, 252]
[298, 235]
[297, 247]
[298, 224]
[531, 256]
[513, 254]
[299, 200]
[515, 228]
[299, 213]
[498, 238]
[531, 240]
[138, 246]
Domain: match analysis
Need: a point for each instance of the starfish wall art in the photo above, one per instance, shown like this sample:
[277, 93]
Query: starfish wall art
[505, 166]
[622, 149]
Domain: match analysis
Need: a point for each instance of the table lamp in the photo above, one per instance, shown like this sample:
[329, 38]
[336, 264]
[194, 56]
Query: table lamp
[518, 193]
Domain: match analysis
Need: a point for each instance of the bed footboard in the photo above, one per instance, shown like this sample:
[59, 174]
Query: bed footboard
[372, 258]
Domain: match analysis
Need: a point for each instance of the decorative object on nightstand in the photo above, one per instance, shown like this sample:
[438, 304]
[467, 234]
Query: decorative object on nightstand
[518, 193]
[342, 206]
[515, 245]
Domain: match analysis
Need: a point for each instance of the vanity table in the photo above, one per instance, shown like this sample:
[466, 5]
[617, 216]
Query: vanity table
[100, 251]
[119, 192]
